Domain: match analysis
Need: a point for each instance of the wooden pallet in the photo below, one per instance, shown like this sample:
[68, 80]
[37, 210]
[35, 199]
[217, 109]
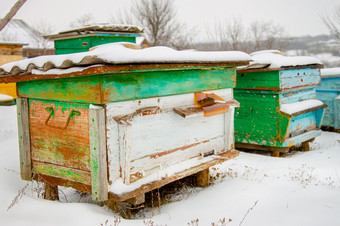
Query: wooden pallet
[275, 151]
[126, 203]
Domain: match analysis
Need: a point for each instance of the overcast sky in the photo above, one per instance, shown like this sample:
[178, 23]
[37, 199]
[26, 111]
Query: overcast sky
[298, 17]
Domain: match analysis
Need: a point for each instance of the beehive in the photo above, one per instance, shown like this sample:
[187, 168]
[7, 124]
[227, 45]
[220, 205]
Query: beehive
[126, 123]
[278, 102]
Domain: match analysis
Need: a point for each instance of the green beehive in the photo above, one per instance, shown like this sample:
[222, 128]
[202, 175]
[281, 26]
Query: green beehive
[278, 102]
[82, 39]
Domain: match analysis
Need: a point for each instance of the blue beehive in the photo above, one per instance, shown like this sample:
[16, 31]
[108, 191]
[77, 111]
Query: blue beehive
[329, 92]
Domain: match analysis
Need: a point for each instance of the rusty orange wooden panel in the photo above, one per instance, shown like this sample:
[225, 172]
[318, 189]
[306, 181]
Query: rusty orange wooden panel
[60, 133]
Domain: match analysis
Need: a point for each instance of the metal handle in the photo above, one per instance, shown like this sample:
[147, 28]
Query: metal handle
[51, 110]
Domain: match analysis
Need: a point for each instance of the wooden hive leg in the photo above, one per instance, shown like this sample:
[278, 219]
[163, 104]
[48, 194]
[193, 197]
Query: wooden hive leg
[305, 146]
[51, 192]
[125, 208]
[276, 153]
[203, 178]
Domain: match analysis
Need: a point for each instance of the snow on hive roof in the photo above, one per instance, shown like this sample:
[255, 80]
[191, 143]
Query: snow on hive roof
[275, 59]
[17, 31]
[293, 108]
[122, 53]
[90, 29]
[330, 72]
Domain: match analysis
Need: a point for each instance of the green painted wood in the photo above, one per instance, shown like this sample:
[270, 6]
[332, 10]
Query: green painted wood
[83, 90]
[141, 85]
[267, 80]
[83, 44]
[136, 84]
[258, 119]
[61, 138]
[98, 154]
[24, 139]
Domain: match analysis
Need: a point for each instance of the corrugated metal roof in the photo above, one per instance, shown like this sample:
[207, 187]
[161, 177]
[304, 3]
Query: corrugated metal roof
[92, 29]
[120, 54]
[17, 31]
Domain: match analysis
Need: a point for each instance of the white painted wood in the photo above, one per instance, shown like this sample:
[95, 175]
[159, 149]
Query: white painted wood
[124, 136]
[138, 139]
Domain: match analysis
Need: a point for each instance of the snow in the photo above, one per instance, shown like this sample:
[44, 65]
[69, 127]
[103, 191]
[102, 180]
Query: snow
[118, 53]
[300, 106]
[4, 97]
[276, 59]
[57, 71]
[330, 72]
[301, 188]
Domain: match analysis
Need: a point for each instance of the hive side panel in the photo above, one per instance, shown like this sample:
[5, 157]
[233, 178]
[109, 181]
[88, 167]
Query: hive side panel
[152, 137]
[98, 154]
[299, 77]
[24, 139]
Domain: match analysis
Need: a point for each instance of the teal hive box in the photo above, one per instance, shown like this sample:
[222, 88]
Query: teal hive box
[329, 92]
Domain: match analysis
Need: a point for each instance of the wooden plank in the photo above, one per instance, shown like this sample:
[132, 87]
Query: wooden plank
[304, 111]
[24, 139]
[124, 133]
[99, 176]
[157, 184]
[135, 84]
[55, 181]
[66, 173]
[51, 142]
[261, 147]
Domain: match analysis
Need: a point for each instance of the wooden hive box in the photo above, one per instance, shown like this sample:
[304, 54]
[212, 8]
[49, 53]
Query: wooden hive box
[120, 129]
[84, 38]
[329, 92]
[9, 52]
[278, 102]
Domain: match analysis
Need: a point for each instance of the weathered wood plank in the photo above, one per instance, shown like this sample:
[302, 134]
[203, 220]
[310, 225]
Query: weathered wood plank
[125, 150]
[157, 184]
[24, 139]
[135, 84]
[261, 147]
[55, 181]
[51, 142]
[99, 176]
[65, 173]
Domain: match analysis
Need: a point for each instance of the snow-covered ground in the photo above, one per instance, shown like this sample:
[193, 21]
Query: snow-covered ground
[302, 188]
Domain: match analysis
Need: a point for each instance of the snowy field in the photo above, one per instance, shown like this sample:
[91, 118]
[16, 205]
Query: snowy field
[252, 189]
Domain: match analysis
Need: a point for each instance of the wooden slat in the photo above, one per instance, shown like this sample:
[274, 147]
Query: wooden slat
[66, 173]
[157, 184]
[98, 154]
[24, 139]
[304, 111]
[62, 182]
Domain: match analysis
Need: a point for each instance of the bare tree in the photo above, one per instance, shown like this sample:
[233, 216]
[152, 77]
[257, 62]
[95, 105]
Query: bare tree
[266, 35]
[333, 22]
[227, 34]
[83, 20]
[11, 13]
[159, 20]
[40, 29]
